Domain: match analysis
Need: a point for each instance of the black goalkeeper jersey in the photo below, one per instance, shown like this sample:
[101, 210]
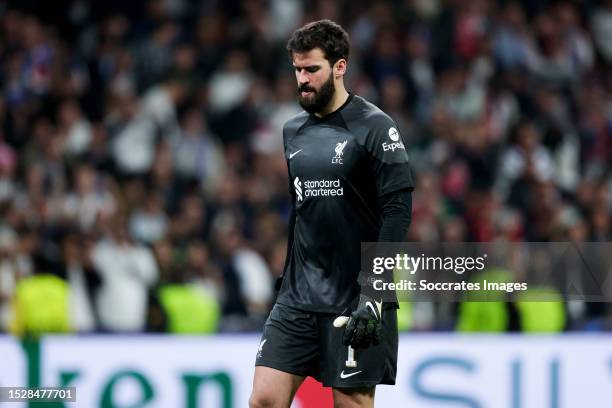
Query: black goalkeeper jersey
[339, 166]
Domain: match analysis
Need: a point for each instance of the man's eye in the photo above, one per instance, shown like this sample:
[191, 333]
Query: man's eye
[313, 69]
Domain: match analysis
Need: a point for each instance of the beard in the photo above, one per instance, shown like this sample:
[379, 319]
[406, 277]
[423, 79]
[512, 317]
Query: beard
[319, 100]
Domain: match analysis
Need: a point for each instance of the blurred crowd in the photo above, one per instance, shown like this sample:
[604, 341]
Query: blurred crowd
[140, 141]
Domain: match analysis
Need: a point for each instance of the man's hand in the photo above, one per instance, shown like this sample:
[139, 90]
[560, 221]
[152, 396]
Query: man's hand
[363, 326]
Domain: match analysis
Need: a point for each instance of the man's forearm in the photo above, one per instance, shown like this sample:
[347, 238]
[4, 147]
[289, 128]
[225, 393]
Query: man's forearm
[396, 210]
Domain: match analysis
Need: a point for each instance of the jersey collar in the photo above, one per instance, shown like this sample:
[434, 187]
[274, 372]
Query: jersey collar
[337, 111]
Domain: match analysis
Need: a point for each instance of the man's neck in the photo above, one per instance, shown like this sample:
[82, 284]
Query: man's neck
[339, 98]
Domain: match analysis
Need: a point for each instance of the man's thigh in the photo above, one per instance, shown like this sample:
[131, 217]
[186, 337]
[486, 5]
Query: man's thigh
[354, 397]
[288, 352]
[273, 388]
[290, 342]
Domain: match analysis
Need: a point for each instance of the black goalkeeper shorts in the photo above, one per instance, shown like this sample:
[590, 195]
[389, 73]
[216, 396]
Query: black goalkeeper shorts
[307, 344]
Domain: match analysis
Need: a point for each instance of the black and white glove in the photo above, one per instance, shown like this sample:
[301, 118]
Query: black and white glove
[363, 326]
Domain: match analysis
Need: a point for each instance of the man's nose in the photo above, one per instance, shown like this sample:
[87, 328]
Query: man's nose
[303, 78]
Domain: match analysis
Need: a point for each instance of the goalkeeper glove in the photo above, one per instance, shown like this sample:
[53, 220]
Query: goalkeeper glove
[364, 325]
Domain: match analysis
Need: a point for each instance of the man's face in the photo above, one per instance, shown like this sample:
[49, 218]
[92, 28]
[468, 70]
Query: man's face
[315, 80]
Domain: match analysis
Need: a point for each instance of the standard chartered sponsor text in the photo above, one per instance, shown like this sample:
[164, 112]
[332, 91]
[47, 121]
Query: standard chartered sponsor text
[323, 188]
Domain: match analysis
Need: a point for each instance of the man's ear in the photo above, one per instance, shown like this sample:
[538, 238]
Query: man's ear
[340, 68]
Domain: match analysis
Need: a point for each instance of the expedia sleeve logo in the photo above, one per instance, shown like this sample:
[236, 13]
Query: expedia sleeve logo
[317, 188]
[396, 142]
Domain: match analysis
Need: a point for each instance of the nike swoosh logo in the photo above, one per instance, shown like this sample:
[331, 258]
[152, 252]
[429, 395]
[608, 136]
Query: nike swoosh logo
[343, 376]
[369, 304]
[294, 153]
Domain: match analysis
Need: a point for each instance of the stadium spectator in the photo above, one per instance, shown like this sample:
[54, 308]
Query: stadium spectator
[83, 281]
[127, 271]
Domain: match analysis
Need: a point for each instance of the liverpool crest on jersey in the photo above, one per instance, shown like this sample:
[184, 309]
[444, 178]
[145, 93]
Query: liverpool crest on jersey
[337, 159]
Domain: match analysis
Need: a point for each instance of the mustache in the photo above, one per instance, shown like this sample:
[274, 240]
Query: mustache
[305, 88]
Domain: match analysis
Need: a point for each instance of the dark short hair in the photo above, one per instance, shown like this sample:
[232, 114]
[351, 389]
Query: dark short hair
[323, 34]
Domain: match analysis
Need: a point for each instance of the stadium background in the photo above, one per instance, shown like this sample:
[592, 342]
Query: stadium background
[142, 176]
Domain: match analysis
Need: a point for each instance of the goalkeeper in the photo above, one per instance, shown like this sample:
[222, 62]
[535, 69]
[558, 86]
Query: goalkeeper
[350, 182]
